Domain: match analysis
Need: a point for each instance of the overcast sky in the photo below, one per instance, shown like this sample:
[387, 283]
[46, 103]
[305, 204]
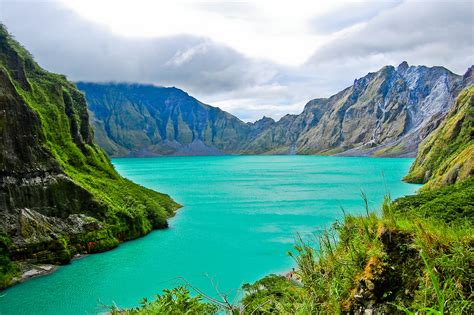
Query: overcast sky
[251, 58]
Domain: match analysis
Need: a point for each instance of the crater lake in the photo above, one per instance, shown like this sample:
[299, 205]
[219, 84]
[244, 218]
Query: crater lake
[240, 217]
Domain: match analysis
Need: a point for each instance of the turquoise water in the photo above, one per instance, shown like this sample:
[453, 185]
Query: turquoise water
[240, 218]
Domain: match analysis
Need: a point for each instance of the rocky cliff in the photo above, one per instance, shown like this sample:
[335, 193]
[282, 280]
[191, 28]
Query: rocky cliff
[59, 193]
[385, 113]
[447, 155]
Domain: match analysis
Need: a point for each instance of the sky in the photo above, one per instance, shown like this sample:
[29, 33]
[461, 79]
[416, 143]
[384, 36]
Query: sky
[250, 58]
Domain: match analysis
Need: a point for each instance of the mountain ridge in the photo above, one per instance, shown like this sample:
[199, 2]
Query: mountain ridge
[385, 113]
[190, 120]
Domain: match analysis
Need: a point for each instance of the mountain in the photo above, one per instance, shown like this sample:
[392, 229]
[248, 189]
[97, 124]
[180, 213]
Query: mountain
[385, 113]
[145, 120]
[59, 193]
[447, 155]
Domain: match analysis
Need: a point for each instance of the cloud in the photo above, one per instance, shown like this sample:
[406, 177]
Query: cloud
[181, 57]
[350, 14]
[216, 56]
[87, 51]
[231, 9]
[440, 33]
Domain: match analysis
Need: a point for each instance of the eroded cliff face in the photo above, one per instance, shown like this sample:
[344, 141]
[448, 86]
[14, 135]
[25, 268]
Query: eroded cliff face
[447, 156]
[385, 113]
[59, 194]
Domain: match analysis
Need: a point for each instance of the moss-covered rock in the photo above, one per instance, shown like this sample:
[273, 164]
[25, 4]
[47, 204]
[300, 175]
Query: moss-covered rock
[447, 155]
[59, 193]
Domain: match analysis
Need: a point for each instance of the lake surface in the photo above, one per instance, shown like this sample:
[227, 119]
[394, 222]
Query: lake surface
[240, 218]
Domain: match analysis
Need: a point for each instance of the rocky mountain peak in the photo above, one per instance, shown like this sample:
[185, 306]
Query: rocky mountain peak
[262, 123]
[265, 119]
[403, 66]
[468, 77]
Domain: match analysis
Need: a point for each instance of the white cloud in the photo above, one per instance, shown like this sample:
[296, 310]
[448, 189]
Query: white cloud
[441, 33]
[276, 30]
[254, 58]
[183, 56]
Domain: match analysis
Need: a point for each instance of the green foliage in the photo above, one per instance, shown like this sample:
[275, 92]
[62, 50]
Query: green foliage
[454, 203]
[8, 269]
[387, 263]
[447, 155]
[272, 294]
[174, 302]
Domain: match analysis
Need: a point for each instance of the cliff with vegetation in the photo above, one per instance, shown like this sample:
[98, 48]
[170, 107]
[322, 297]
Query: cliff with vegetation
[59, 194]
[385, 113]
[447, 155]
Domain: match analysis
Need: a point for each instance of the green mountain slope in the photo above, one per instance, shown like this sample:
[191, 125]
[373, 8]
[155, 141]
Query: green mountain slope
[59, 193]
[145, 120]
[447, 155]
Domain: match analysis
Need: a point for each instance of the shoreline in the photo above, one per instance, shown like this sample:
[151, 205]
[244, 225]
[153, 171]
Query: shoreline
[30, 271]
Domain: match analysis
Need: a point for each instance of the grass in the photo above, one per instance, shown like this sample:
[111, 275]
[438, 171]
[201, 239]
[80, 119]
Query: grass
[453, 203]
[174, 302]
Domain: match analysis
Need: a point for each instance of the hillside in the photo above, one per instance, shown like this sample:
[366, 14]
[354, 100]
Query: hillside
[59, 193]
[385, 113]
[447, 155]
[144, 120]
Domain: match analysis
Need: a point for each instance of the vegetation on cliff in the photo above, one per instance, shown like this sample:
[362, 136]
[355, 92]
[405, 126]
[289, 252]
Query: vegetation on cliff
[447, 155]
[59, 193]
[385, 264]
